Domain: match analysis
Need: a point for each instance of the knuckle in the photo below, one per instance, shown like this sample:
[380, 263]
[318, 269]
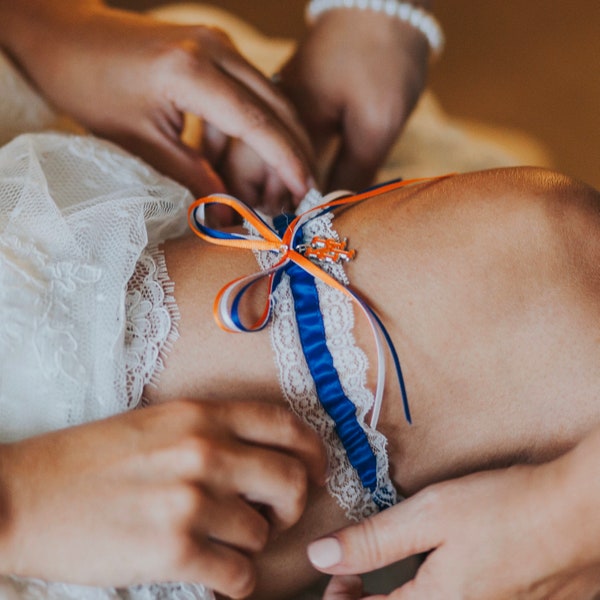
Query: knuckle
[380, 122]
[258, 533]
[372, 544]
[256, 118]
[431, 497]
[197, 415]
[199, 455]
[175, 57]
[240, 576]
[181, 551]
[186, 503]
[187, 411]
[289, 425]
[432, 502]
[296, 488]
[297, 476]
[209, 33]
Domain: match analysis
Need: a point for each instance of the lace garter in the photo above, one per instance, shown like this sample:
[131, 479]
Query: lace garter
[322, 371]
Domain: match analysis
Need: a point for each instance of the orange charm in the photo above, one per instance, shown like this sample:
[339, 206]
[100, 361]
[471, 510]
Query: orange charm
[328, 250]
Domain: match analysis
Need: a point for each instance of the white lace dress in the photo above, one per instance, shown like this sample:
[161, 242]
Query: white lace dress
[85, 300]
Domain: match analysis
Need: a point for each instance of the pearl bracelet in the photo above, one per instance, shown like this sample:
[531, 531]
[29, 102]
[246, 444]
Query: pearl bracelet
[418, 17]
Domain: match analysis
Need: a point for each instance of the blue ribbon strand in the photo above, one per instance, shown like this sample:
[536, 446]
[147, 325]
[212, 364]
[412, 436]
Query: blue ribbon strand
[338, 406]
[313, 339]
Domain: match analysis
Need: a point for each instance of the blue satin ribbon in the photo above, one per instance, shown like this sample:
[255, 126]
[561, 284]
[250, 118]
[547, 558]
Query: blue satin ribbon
[285, 239]
[338, 406]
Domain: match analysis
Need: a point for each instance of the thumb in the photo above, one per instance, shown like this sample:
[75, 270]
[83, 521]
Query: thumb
[392, 535]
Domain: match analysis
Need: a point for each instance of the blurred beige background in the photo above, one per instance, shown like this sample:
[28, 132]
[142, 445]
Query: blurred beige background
[532, 65]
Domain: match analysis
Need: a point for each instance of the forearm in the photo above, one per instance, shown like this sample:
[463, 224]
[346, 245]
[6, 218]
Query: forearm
[25, 26]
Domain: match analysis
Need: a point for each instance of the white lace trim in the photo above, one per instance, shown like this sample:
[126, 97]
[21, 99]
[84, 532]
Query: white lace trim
[151, 326]
[151, 319]
[167, 591]
[14, 588]
[351, 363]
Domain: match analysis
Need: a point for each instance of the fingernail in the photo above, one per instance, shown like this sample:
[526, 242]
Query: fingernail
[325, 553]
[311, 183]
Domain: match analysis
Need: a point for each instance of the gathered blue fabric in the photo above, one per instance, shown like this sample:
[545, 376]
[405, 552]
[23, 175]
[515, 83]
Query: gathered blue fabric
[339, 407]
[293, 258]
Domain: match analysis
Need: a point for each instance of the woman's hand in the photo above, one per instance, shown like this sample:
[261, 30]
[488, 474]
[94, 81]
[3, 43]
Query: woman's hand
[355, 79]
[184, 491]
[528, 532]
[131, 78]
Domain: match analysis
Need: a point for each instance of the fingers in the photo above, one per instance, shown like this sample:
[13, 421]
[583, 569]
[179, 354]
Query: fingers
[363, 149]
[166, 153]
[254, 113]
[275, 480]
[344, 587]
[220, 568]
[249, 178]
[265, 90]
[257, 451]
[232, 521]
[276, 427]
[348, 172]
[188, 436]
[392, 535]
[202, 512]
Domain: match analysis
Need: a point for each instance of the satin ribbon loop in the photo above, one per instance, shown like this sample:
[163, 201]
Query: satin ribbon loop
[285, 244]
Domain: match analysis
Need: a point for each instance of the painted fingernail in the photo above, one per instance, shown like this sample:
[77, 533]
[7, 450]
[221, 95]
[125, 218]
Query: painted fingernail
[311, 183]
[325, 553]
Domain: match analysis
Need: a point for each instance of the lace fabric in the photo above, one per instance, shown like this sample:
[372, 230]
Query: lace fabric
[151, 323]
[87, 307]
[351, 363]
[12, 588]
[75, 218]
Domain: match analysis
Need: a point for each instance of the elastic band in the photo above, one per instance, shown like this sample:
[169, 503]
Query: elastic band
[418, 17]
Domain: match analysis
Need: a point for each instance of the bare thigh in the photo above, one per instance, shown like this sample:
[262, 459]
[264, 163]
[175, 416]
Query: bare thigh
[207, 363]
[489, 286]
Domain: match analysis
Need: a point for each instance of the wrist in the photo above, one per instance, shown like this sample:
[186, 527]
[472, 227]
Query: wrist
[412, 15]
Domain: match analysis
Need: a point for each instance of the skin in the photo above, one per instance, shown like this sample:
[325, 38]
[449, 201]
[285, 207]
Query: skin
[188, 491]
[145, 115]
[389, 68]
[132, 79]
[486, 282]
[479, 343]
[525, 532]
[351, 133]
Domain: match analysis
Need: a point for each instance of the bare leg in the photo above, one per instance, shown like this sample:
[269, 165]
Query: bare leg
[492, 295]
[488, 284]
